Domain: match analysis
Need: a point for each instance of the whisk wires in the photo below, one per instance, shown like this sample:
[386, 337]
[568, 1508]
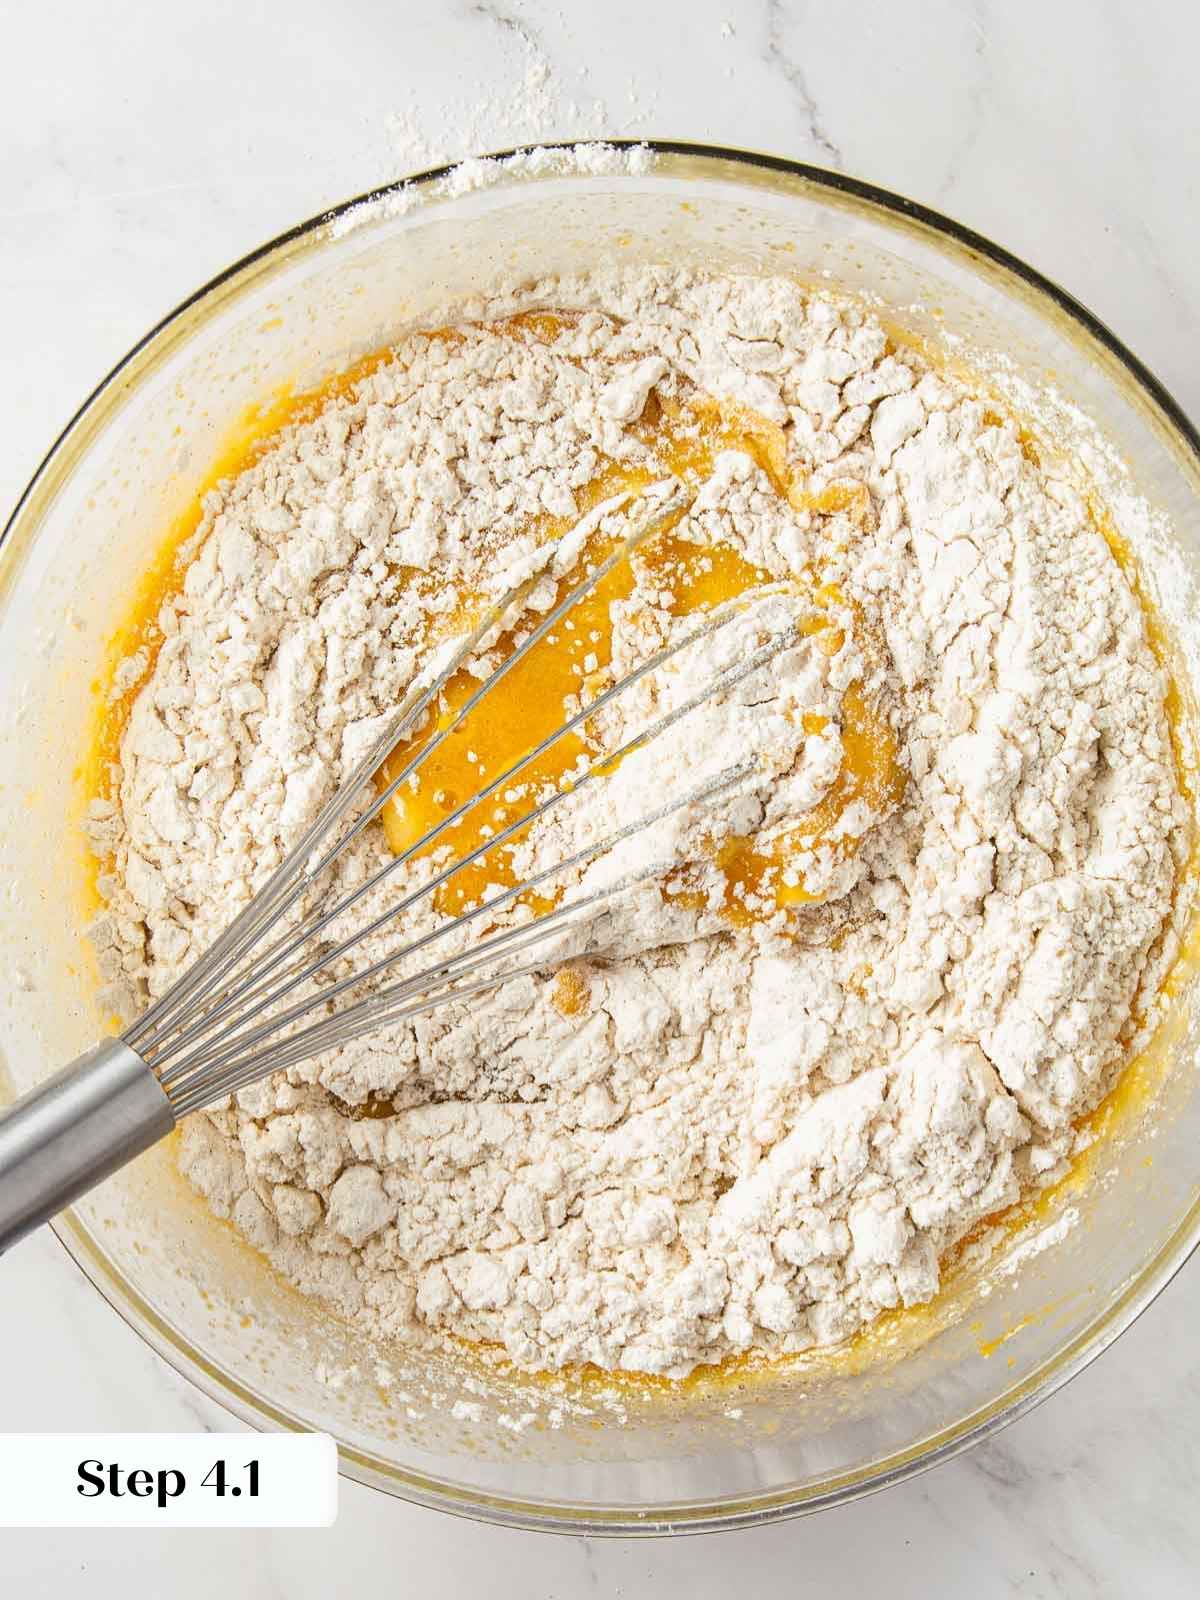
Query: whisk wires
[248, 1005]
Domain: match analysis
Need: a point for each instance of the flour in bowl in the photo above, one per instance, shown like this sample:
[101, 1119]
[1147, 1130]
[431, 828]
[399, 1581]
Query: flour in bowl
[870, 994]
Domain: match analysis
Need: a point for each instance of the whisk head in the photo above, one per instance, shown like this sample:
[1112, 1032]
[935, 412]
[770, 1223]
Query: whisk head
[274, 989]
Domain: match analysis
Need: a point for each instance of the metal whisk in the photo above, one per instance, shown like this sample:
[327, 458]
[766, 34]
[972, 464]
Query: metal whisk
[266, 996]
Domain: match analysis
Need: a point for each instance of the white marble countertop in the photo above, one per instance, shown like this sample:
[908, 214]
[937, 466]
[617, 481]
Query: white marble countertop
[144, 147]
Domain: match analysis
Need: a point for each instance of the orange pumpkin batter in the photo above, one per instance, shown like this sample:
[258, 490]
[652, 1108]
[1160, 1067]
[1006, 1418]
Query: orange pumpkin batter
[529, 703]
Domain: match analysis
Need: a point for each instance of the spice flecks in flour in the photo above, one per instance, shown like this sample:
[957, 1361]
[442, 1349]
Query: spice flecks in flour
[722, 1133]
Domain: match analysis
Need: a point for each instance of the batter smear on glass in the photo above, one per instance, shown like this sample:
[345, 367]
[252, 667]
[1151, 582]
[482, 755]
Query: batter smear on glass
[870, 994]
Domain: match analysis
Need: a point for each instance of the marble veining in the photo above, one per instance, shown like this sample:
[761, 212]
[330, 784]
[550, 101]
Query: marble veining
[144, 147]
[787, 66]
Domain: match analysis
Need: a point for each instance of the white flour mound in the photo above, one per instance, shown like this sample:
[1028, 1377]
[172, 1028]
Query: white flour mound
[749, 1136]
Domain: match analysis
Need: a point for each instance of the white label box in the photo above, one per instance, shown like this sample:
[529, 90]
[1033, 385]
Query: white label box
[168, 1480]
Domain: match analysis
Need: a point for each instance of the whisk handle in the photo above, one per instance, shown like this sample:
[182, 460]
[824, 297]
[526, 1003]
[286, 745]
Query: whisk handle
[71, 1132]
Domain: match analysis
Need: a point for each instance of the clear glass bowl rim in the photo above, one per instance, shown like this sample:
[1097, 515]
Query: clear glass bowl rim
[672, 157]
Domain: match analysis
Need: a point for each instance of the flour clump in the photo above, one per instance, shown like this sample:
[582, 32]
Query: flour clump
[868, 996]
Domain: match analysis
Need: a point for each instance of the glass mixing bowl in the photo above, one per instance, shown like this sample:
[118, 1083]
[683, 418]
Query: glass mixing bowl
[585, 1454]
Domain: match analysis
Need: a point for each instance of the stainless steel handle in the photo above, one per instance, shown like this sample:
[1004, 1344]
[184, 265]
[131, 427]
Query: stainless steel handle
[71, 1132]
